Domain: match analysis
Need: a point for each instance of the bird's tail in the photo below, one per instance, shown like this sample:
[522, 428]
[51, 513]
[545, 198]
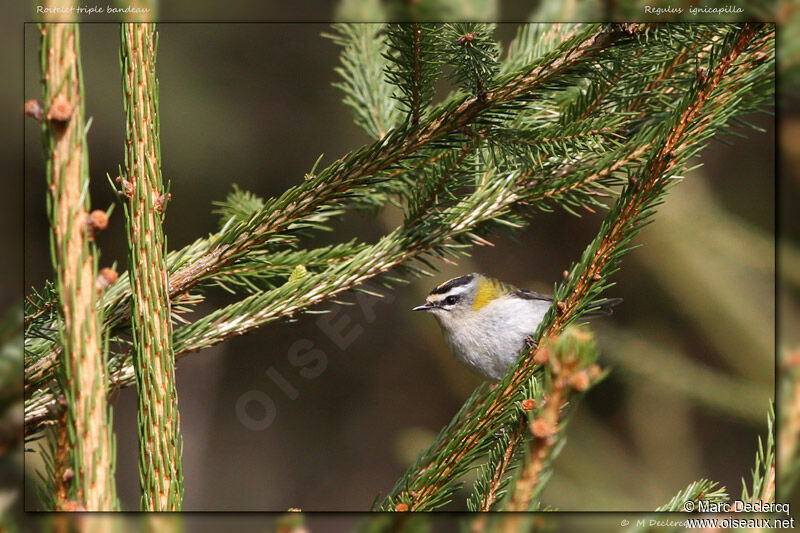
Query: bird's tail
[603, 307]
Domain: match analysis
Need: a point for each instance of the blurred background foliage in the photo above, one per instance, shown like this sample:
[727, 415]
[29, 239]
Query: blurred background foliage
[692, 348]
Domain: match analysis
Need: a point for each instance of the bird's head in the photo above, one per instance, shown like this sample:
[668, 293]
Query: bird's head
[459, 298]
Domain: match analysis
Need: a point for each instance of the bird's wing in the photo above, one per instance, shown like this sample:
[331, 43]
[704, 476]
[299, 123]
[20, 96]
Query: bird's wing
[600, 307]
[530, 295]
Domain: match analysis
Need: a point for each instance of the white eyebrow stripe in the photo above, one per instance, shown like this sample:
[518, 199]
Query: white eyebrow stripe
[455, 291]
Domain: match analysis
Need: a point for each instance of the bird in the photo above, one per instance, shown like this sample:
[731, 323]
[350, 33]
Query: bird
[486, 322]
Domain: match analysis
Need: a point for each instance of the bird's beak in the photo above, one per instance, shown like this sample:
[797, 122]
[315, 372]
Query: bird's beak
[423, 307]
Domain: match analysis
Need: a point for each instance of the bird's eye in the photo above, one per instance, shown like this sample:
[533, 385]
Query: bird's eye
[450, 300]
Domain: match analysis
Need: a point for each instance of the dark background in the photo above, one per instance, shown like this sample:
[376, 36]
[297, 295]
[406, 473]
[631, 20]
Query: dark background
[252, 104]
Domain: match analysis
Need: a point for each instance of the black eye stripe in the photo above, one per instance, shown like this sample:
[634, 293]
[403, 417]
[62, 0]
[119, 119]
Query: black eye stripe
[450, 300]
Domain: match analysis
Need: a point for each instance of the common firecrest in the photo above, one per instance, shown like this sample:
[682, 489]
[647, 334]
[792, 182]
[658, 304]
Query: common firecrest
[486, 322]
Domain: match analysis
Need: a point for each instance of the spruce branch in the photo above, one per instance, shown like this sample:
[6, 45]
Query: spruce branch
[471, 51]
[160, 442]
[762, 488]
[569, 361]
[82, 452]
[569, 370]
[697, 491]
[413, 65]
[431, 480]
[320, 195]
[459, 224]
[484, 497]
[362, 72]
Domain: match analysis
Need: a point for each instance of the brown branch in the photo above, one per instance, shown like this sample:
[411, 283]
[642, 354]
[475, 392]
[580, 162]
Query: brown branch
[84, 380]
[160, 441]
[661, 164]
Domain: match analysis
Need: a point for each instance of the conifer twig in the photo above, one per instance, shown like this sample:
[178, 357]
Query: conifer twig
[83, 458]
[697, 491]
[567, 361]
[501, 469]
[366, 90]
[160, 442]
[763, 483]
